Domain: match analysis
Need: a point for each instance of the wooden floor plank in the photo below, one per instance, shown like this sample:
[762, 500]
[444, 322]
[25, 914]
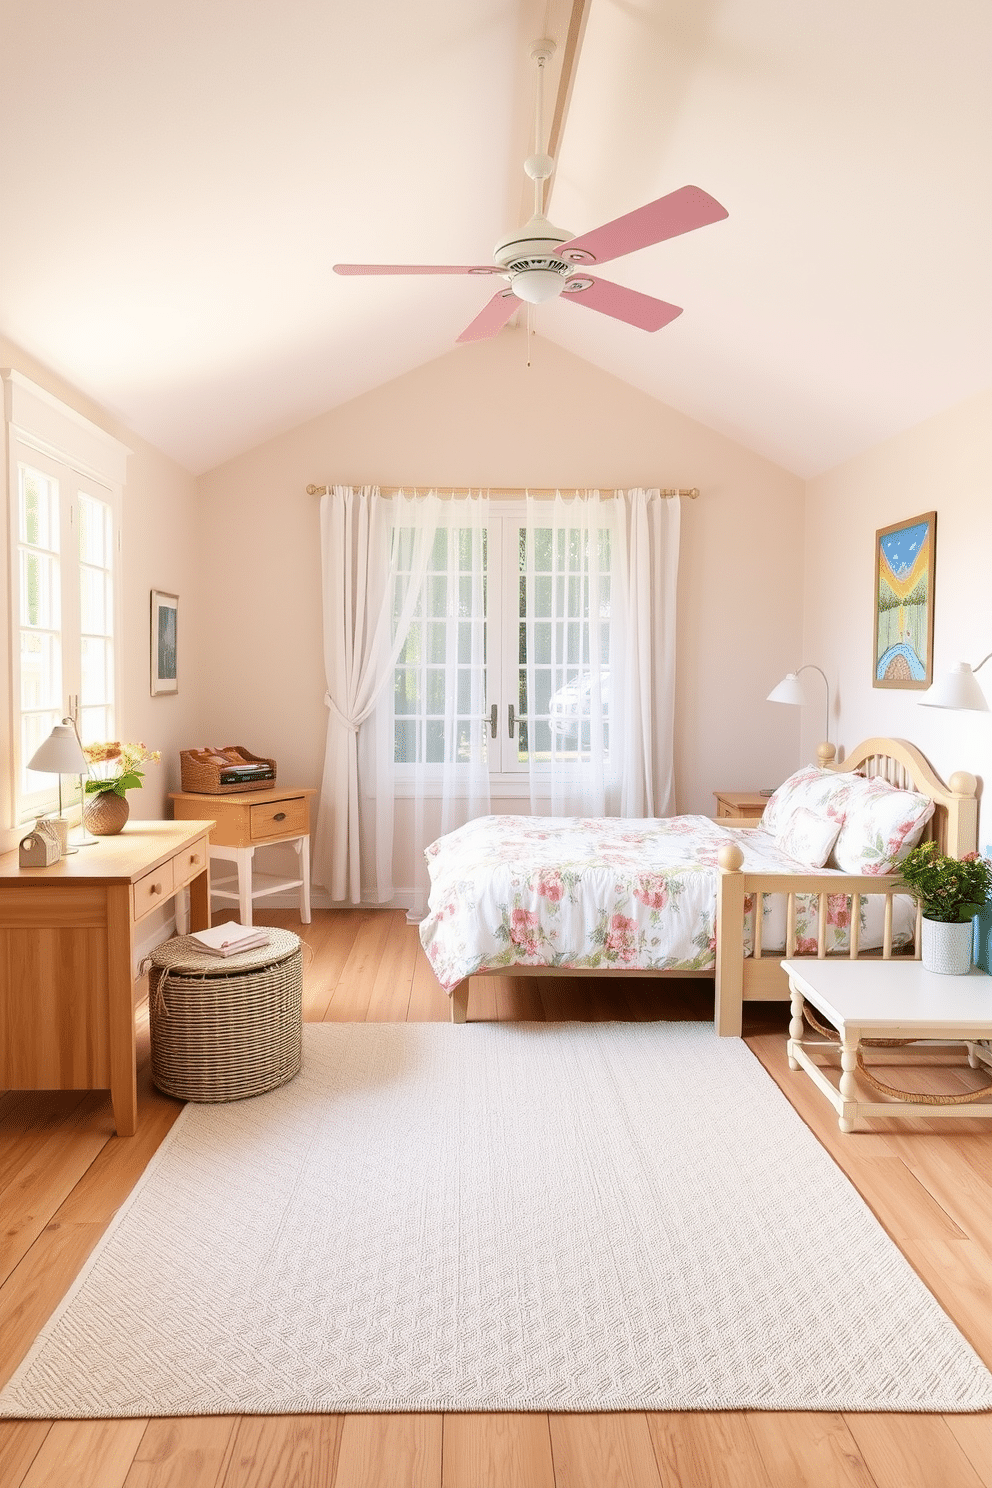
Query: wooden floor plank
[809, 1449]
[429, 1003]
[973, 1435]
[183, 1452]
[394, 1451]
[909, 1451]
[20, 1443]
[34, 1289]
[497, 1451]
[46, 1178]
[604, 1451]
[707, 1449]
[393, 982]
[270, 1451]
[85, 1454]
[518, 1000]
[349, 1002]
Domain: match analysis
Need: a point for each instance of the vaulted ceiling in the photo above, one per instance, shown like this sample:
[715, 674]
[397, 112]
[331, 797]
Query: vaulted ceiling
[177, 179]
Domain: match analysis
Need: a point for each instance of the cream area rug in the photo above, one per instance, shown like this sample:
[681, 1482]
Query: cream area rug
[499, 1217]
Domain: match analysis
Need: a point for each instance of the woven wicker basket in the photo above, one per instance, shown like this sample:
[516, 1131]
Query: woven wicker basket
[225, 1027]
[201, 778]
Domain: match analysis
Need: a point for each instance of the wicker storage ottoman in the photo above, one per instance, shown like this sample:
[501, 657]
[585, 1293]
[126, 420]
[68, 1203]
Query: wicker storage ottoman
[225, 1027]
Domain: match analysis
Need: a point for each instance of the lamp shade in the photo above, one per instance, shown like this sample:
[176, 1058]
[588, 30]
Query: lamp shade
[789, 690]
[60, 754]
[957, 688]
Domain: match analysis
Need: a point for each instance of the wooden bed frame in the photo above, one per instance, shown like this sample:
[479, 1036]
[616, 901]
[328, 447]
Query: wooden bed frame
[759, 977]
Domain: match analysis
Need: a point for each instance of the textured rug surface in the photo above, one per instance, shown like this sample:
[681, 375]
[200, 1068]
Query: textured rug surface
[512, 1217]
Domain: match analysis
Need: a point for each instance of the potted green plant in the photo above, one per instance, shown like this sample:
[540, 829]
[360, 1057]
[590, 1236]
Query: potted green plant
[108, 810]
[950, 892]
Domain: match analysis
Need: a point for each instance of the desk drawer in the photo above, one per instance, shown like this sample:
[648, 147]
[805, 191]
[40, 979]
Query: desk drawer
[154, 889]
[280, 818]
[189, 863]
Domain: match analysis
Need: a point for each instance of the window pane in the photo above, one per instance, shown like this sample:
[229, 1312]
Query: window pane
[39, 509]
[95, 531]
[35, 729]
[96, 602]
[41, 604]
[97, 672]
[41, 671]
[405, 742]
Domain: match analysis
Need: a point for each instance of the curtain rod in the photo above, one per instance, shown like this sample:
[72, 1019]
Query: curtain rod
[691, 491]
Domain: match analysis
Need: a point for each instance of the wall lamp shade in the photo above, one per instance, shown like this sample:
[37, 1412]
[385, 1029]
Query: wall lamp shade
[958, 688]
[790, 690]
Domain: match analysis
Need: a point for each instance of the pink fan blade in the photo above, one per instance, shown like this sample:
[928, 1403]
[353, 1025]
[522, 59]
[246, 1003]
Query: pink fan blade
[637, 309]
[680, 212]
[415, 269]
[493, 318]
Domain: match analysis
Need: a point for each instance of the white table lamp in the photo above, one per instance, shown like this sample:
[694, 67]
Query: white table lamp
[62, 754]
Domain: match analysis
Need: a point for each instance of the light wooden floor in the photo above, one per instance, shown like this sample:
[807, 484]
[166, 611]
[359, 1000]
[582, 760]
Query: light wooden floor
[63, 1174]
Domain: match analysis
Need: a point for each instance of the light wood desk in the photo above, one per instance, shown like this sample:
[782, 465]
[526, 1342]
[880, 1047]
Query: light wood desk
[66, 954]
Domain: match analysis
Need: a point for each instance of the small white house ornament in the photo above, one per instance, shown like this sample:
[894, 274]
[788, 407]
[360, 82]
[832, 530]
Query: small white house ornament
[39, 848]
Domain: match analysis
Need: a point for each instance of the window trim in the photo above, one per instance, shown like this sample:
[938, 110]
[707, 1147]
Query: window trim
[37, 423]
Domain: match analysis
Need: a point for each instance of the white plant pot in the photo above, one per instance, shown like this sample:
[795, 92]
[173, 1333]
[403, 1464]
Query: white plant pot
[947, 948]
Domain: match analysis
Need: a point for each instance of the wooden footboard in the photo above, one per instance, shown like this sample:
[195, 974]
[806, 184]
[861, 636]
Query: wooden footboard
[759, 977]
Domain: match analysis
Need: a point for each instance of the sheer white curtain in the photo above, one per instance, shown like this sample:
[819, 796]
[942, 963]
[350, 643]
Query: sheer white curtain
[598, 652]
[370, 589]
[404, 656]
[432, 723]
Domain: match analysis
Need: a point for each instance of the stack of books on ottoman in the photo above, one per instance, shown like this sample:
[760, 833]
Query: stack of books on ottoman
[229, 939]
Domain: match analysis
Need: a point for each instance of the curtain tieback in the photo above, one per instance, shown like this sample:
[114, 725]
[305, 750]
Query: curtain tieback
[344, 721]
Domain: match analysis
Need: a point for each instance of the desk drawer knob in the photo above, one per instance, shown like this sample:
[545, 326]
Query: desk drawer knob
[155, 888]
[194, 858]
[279, 816]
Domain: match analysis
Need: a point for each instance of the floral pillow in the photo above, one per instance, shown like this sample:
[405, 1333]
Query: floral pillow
[881, 825]
[821, 791]
[808, 837]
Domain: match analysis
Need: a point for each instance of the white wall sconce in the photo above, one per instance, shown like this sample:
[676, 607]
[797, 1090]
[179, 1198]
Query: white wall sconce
[958, 689]
[790, 690]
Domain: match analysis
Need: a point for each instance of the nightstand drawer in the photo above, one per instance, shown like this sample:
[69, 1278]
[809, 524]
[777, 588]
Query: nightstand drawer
[152, 890]
[288, 818]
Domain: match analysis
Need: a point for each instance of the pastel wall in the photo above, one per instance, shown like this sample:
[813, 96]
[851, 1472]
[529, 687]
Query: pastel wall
[479, 416]
[160, 550]
[942, 465]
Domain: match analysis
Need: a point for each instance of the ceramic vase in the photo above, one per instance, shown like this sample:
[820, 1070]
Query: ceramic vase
[946, 948]
[105, 813]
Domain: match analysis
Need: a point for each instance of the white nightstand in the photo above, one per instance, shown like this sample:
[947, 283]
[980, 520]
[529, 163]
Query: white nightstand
[244, 822]
[889, 1000]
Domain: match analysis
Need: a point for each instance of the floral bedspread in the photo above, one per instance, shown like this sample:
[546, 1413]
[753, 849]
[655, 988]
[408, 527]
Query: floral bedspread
[606, 893]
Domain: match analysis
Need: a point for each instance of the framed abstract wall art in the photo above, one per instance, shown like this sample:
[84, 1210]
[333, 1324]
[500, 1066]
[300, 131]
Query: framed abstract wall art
[904, 569]
[164, 638]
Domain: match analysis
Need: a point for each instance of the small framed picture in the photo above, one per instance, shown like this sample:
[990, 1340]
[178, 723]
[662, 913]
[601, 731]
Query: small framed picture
[164, 642]
[905, 554]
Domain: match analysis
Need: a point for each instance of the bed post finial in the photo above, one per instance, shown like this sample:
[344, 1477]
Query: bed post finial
[826, 753]
[963, 783]
[730, 857]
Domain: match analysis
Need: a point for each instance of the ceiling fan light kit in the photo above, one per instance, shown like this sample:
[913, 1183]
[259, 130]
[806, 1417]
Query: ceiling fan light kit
[539, 259]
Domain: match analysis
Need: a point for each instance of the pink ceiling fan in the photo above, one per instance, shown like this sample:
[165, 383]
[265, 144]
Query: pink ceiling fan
[540, 261]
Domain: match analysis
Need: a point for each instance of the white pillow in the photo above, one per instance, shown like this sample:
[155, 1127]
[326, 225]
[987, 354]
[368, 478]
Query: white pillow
[808, 837]
[881, 825]
[819, 791]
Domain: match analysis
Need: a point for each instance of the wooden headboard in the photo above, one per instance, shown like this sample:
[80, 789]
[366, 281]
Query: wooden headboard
[954, 824]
